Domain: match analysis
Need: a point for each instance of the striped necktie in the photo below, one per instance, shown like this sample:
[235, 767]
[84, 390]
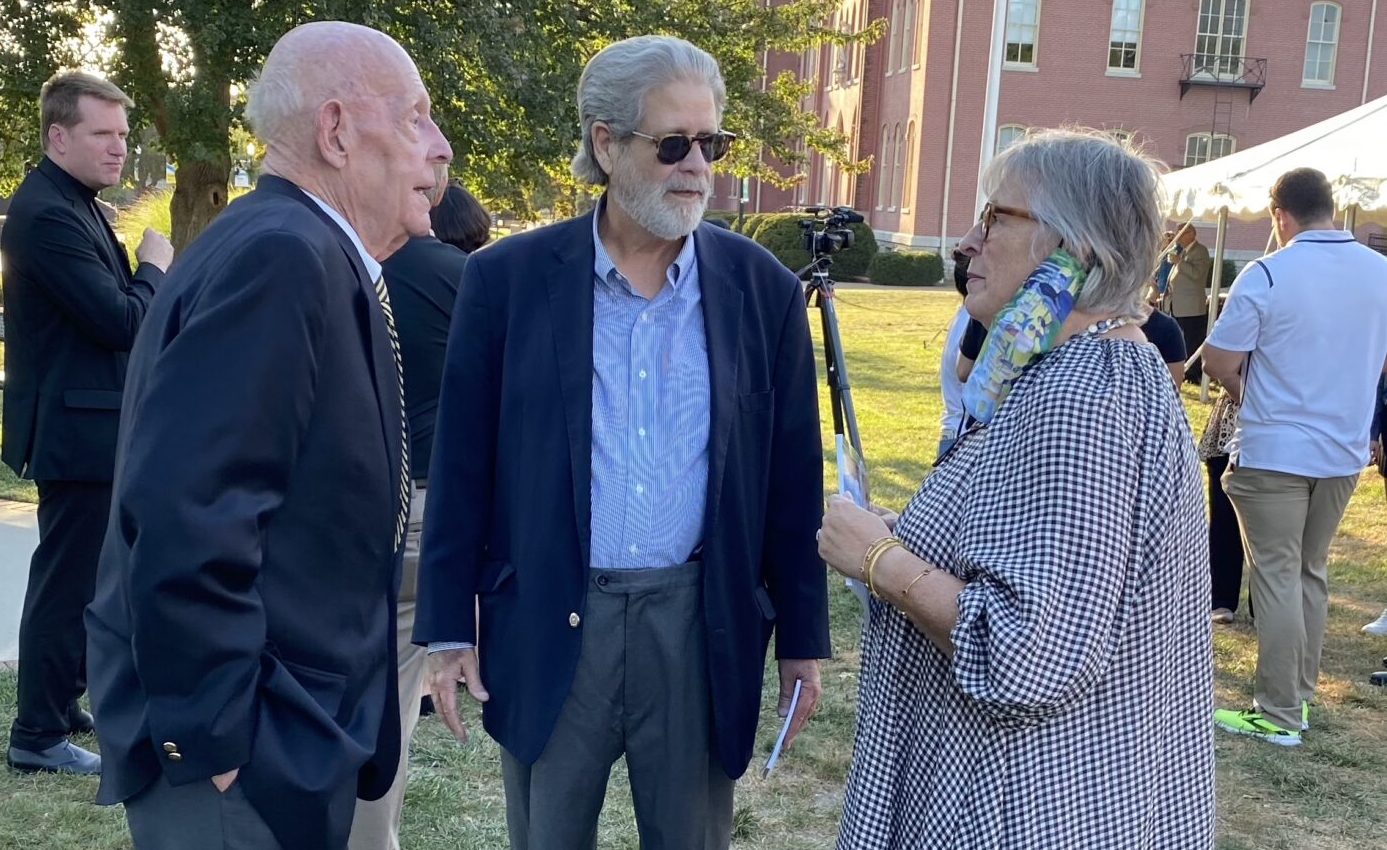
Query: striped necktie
[402, 518]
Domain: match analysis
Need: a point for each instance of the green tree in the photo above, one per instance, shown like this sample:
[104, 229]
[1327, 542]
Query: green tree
[502, 75]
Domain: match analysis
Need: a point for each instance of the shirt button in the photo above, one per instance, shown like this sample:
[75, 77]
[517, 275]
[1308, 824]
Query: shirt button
[574, 620]
[645, 317]
[642, 374]
[633, 549]
[640, 431]
[640, 488]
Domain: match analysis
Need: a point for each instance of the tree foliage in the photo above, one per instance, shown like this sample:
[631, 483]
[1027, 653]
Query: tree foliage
[502, 75]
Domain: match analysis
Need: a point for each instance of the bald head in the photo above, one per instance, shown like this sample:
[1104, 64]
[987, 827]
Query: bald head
[317, 63]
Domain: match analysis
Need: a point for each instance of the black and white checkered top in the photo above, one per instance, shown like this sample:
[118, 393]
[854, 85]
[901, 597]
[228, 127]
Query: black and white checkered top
[1076, 710]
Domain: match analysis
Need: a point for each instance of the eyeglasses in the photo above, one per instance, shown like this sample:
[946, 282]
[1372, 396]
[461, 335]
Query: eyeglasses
[990, 211]
[673, 147]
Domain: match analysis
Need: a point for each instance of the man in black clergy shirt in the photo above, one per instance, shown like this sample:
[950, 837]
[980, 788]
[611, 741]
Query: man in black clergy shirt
[72, 308]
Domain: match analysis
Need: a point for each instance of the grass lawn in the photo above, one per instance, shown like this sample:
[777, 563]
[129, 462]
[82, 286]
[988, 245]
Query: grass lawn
[1319, 796]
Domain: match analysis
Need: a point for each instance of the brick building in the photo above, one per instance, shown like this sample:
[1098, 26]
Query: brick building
[1189, 79]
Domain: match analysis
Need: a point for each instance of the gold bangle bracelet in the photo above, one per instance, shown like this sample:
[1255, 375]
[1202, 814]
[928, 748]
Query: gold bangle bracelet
[905, 594]
[872, 550]
[876, 557]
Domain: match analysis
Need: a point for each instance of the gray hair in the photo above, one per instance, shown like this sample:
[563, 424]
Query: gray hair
[616, 81]
[1101, 197]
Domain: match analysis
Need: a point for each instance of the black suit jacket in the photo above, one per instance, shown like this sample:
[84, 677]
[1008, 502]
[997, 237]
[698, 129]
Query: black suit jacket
[509, 511]
[72, 308]
[245, 605]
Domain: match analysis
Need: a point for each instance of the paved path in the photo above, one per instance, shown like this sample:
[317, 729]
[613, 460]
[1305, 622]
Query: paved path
[19, 534]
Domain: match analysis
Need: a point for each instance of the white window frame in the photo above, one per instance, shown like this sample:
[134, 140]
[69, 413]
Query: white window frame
[1034, 32]
[1209, 138]
[1314, 82]
[1119, 70]
[1225, 68]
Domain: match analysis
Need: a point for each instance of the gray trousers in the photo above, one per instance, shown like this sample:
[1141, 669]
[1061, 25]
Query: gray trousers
[195, 816]
[641, 689]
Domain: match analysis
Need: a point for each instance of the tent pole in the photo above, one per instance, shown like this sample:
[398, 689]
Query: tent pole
[1214, 292]
[1351, 218]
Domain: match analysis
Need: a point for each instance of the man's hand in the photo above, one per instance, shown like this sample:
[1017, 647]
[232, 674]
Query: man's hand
[446, 669]
[155, 250]
[223, 781]
[807, 671]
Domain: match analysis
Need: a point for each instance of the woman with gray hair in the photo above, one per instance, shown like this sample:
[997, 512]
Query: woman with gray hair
[1036, 664]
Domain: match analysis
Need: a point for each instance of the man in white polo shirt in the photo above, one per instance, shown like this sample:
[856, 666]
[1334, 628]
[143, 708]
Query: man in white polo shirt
[1301, 342]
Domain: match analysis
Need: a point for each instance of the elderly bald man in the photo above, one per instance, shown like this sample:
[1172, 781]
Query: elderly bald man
[242, 640]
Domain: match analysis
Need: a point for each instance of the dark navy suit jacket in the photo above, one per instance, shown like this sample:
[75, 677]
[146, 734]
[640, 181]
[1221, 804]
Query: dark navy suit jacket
[509, 514]
[72, 309]
[245, 605]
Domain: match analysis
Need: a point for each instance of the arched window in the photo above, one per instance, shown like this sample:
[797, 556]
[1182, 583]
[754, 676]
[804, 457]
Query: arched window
[883, 166]
[911, 156]
[1322, 44]
[1008, 135]
[897, 166]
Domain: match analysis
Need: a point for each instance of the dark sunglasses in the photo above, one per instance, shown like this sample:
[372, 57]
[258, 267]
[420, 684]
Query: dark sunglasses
[673, 147]
[990, 212]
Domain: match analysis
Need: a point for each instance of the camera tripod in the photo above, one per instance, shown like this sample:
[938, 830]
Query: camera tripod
[818, 283]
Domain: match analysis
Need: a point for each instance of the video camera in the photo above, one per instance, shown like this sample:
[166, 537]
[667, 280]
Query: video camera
[827, 232]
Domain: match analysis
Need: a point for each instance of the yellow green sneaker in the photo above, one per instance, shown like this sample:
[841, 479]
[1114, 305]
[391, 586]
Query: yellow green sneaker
[1251, 723]
[1305, 715]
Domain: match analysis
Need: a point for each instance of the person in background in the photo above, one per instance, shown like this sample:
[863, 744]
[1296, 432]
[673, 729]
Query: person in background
[1189, 292]
[1378, 627]
[1308, 321]
[72, 310]
[460, 220]
[950, 381]
[1163, 332]
[422, 279]
[1226, 557]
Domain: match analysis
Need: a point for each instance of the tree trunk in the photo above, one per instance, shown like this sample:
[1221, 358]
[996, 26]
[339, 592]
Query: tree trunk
[200, 194]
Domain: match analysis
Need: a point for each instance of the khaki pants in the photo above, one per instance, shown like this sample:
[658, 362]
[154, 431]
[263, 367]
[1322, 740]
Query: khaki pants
[376, 825]
[1287, 524]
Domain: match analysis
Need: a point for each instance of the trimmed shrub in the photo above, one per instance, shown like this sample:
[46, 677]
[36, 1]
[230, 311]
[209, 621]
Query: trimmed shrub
[906, 268]
[1230, 272]
[780, 234]
[751, 222]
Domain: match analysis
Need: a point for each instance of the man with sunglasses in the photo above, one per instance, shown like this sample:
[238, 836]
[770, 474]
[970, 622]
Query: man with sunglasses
[626, 481]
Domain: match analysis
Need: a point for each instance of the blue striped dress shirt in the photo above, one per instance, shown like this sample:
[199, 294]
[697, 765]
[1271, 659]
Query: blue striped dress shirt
[651, 407]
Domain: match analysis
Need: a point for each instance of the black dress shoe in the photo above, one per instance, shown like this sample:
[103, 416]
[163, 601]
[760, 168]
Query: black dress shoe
[1379, 679]
[79, 721]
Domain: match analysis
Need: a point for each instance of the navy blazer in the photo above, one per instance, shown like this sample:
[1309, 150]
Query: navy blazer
[72, 309]
[508, 519]
[245, 606]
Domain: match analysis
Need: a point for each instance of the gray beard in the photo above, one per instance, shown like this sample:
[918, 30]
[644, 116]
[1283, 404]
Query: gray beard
[645, 203]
